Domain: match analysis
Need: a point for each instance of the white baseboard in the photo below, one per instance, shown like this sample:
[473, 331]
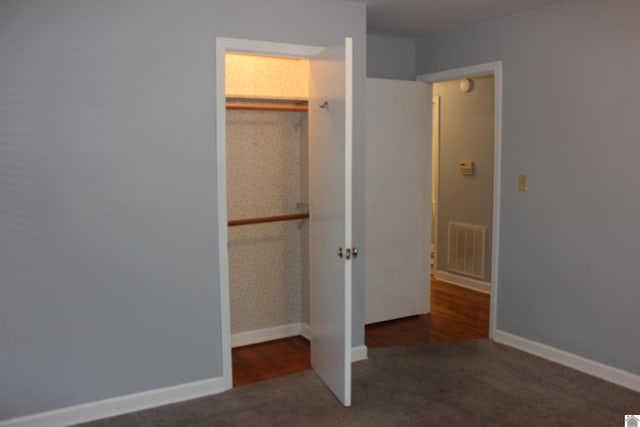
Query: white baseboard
[152, 398]
[268, 334]
[579, 363]
[118, 405]
[358, 353]
[465, 282]
[305, 331]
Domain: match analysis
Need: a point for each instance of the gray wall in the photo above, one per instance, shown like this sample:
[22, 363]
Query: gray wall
[390, 57]
[108, 260]
[568, 274]
[466, 133]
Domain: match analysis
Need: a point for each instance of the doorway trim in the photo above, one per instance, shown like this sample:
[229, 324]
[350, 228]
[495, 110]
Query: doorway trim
[258, 47]
[494, 68]
[435, 170]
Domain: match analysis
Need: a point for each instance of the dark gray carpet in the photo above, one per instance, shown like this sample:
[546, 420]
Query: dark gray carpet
[479, 383]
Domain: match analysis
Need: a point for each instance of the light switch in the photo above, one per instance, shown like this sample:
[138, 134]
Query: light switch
[465, 167]
[523, 182]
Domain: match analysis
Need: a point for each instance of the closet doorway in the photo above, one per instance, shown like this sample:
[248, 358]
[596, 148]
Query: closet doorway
[283, 125]
[267, 206]
[267, 197]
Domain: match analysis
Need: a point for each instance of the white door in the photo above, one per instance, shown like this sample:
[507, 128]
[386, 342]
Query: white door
[398, 213]
[330, 134]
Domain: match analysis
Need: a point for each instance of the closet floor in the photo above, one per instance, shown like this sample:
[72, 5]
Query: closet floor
[457, 314]
[259, 362]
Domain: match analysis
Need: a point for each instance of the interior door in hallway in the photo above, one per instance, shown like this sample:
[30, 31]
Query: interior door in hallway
[398, 210]
[330, 160]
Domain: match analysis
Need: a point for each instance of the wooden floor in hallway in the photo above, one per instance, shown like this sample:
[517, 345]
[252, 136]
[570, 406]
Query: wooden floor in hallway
[457, 314]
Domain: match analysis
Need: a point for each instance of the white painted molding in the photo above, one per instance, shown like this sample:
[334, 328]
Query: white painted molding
[223, 239]
[579, 363]
[358, 353]
[267, 334]
[460, 73]
[268, 48]
[118, 405]
[284, 331]
[305, 331]
[465, 282]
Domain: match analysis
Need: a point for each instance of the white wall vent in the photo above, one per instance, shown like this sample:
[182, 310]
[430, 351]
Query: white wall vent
[466, 249]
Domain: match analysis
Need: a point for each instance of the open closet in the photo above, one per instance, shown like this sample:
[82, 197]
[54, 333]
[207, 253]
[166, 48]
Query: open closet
[267, 197]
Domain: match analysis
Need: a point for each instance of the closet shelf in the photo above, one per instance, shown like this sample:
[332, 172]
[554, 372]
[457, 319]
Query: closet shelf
[273, 104]
[270, 107]
[260, 220]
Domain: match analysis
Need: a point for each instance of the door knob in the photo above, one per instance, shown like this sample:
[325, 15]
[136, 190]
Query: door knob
[348, 253]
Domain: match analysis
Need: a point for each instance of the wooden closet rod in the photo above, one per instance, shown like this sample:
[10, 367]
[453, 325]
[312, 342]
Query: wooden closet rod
[271, 107]
[268, 219]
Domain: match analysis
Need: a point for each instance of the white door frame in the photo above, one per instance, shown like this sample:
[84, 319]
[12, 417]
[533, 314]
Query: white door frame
[435, 170]
[494, 68]
[224, 45]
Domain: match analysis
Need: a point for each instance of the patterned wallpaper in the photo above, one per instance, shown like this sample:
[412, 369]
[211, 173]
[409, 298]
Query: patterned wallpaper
[267, 175]
[266, 77]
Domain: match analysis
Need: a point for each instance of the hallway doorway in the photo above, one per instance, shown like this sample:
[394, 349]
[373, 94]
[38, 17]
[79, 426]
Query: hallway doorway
[482, 273]
[462, 181]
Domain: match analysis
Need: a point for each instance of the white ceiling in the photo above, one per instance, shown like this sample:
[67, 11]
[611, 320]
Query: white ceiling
[419, 17]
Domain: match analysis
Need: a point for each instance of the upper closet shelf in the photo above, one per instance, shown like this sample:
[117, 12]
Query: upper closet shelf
[237, 103]
[270, 107]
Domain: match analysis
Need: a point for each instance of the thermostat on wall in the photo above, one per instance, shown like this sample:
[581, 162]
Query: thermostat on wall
[465, 167]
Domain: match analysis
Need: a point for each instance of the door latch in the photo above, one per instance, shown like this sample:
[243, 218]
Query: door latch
[352, 253]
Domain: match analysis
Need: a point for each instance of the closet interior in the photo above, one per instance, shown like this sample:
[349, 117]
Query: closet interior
[267, 197]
